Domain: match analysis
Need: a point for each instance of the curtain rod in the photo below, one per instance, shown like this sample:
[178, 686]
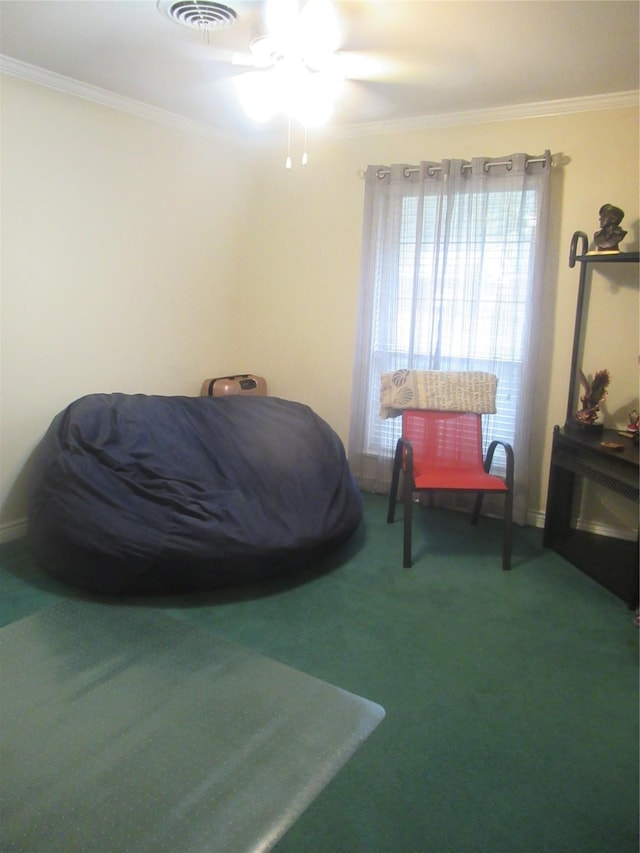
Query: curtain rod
[431, 170]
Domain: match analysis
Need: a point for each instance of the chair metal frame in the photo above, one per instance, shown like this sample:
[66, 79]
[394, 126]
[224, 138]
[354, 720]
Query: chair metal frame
[404, 461]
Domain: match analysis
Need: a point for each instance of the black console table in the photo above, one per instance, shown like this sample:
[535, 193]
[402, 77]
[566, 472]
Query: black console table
[577, 454]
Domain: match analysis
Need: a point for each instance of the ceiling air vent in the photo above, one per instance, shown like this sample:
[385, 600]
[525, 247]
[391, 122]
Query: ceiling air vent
[201, 15]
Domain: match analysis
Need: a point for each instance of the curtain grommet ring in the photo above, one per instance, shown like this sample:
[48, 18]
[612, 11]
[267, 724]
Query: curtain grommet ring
[486, 167]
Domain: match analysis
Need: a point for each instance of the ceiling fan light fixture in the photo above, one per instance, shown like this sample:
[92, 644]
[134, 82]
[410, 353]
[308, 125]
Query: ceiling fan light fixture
[315, 107]
[296, 68]
[289, 88]
[258, 97]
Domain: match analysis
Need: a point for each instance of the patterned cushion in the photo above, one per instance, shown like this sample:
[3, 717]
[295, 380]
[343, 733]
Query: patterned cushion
[441, 390]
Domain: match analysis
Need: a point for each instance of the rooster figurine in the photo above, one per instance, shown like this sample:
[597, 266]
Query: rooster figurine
[595, 394]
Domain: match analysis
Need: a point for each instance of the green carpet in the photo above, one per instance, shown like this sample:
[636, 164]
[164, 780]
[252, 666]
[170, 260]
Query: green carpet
[511, 698]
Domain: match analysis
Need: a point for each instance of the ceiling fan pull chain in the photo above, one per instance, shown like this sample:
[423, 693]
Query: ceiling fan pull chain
[287, 163]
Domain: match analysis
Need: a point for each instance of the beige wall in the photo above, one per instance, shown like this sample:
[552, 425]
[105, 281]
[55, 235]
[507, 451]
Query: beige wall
[120, 255]
[306, 245]
[137, 257]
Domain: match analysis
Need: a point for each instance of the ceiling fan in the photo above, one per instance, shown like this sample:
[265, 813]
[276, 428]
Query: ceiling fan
[295, 68]
[291, 57]
[291, 62]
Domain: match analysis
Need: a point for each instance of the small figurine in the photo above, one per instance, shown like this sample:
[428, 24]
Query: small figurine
[596, 393]
[610, 234]
[634, 417]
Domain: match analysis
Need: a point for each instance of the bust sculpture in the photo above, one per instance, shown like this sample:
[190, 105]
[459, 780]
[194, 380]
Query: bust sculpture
[610, 234]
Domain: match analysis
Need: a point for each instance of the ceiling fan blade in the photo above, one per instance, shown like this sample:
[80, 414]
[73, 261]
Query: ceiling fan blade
[227, 55]
[368, 65]
[452, 68]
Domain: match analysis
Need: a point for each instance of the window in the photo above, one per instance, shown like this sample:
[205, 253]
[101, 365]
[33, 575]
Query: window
[451, 254]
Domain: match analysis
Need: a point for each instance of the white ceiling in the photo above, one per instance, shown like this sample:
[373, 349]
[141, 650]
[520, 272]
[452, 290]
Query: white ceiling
[443, 56]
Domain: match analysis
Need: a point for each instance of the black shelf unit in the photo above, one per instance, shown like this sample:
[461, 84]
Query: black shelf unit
[586, 260]
[578, 454]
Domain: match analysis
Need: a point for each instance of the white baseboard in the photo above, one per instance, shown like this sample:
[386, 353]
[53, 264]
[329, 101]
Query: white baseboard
[607, 530]
[536, 519]
[13, 530]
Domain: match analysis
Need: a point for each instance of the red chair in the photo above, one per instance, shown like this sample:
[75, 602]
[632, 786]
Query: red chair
[442, 451]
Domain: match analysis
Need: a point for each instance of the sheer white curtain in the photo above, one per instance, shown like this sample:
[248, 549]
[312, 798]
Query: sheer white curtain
[451, 279]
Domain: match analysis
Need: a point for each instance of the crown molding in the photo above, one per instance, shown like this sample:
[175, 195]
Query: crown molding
[70, 86]
[542, 109]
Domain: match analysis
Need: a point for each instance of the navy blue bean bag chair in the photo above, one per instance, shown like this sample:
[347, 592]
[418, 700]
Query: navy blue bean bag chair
[136, 493]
